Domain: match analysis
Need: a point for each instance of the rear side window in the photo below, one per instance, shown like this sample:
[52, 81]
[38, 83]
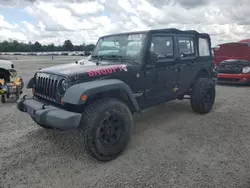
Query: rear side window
[186, 47]
[204, 47]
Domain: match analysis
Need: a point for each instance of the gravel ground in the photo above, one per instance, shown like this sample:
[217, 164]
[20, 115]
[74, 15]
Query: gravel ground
[173, 148]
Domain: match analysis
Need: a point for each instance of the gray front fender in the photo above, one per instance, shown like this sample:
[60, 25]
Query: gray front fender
[74, 93]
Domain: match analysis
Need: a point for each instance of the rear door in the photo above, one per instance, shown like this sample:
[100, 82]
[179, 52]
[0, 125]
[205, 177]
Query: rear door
[189, 60]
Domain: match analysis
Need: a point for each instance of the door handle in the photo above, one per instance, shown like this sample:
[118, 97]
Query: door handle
[149, 72]
[176, 68]
[192, 63]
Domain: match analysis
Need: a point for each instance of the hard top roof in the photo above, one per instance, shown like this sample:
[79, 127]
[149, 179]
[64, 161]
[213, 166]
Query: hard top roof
[165, 30]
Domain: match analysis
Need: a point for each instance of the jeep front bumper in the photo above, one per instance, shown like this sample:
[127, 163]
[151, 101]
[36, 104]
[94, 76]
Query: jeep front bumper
[49, 115]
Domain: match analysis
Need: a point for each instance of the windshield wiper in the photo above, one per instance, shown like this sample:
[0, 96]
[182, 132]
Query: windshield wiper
[116, 57]
[99, 59]
[130, 60]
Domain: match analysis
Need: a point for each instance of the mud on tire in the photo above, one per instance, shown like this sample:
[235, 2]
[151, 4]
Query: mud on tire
[203, 95]
[107, 128]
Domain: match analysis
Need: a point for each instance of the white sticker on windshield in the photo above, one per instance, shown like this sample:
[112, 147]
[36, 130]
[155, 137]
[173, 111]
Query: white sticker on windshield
[135, 37]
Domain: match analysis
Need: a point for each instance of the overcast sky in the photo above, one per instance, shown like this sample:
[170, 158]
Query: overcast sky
[84, 21]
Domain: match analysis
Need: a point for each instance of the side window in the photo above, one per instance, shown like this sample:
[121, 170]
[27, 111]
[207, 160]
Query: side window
[204, 49]
[133, 48]
[163, 46]
[186, 47]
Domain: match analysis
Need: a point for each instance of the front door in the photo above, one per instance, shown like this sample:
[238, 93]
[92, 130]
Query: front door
[163, 76]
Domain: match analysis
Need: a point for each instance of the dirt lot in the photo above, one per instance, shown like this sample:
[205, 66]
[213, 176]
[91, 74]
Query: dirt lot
[171, 147]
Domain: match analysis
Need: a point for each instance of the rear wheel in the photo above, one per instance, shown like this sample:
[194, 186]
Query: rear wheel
[203, 95]
[107, 126]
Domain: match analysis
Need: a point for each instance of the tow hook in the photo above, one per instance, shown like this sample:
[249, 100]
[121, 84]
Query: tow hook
[24, 97]
[43, 107]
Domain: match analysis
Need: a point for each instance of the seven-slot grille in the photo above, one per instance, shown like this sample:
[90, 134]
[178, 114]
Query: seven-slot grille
[46, 87]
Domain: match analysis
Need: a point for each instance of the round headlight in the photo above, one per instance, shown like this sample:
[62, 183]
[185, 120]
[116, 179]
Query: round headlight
[62, 86]
[246, 70]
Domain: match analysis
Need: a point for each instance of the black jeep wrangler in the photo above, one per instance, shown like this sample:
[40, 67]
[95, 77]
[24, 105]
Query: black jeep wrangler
[126, 73]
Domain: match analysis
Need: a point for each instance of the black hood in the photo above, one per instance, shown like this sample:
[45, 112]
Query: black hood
[86, 67]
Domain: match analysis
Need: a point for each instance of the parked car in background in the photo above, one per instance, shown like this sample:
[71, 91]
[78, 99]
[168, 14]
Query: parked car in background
[232, 61]
[6, 70]
[233, 50]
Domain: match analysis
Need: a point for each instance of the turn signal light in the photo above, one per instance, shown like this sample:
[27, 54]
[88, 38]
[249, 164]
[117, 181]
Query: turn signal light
[84, 97]
[61, 100]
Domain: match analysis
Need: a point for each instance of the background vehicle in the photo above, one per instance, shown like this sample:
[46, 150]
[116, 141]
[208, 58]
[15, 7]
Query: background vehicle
[233, 62]
[125, 73]
[8, 75]
[6, 69]
[234, 50]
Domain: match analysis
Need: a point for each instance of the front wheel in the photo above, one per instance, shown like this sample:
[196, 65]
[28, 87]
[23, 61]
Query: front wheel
[107, 126]
[203, 95]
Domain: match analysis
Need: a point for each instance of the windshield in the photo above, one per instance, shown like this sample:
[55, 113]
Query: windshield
[122, 46]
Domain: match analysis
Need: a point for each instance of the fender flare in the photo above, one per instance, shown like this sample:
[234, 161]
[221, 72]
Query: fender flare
[30, 83]
[90, 88]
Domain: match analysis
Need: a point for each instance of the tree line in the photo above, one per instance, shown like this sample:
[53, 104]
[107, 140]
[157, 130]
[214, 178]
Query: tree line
[15, 46]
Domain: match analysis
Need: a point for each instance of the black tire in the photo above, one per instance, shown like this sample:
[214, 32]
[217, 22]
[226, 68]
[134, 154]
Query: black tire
[107, 126]
[43, 126]
[203, 95]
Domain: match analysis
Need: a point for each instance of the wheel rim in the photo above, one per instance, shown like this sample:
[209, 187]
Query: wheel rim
[208, 98]
[111, 130]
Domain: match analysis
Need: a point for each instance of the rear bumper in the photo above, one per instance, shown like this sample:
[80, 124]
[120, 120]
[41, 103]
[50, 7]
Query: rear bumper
[49, 115]
[233, 78]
